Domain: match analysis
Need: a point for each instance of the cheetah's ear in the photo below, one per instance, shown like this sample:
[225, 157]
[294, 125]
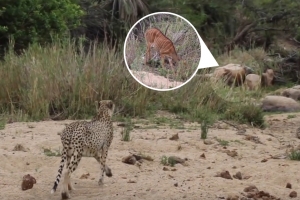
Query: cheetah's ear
[97, 104]
[110, 104]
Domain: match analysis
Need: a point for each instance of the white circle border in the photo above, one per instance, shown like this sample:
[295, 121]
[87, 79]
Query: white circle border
[124, 52]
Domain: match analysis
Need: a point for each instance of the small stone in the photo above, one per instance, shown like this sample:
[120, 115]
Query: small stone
[232, 197]
[247, 177]
[288, 185]
[28, 182]
[166, 169]
[238, 175]
[241, 132]
[264, 160]
[232, 153]
[224, 174]
[293, 194]
[208, 142]
[202, 156]
[251, 188]
[129, 160]
[176, 184]
[175, 160]
[174, 137]
[20, 147]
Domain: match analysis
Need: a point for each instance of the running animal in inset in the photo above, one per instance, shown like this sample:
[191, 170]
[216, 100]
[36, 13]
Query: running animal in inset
[163, 45]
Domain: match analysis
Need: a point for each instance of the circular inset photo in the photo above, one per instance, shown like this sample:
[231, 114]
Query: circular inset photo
[162, 51]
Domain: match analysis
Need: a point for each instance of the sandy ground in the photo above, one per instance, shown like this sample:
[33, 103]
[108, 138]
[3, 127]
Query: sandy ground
[194, 180]
[155, 81]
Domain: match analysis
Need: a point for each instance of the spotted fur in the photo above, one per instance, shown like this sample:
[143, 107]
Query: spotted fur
[83, 138]
[165, 47]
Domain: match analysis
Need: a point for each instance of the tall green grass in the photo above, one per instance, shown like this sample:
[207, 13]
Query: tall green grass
[62, 81]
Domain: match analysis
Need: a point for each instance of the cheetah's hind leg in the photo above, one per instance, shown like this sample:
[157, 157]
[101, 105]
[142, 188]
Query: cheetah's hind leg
[70, 185]
[101, 158]
[108, 172]
[71, 167]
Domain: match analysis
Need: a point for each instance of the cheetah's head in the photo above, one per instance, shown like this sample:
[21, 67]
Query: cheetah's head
[105, 107]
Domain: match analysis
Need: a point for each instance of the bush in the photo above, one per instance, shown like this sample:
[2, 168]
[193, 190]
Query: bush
[38, 21]
[247, 113]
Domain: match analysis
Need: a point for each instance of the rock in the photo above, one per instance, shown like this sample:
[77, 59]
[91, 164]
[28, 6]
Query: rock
[263, 194]
[247, 177]
[225, 174]
[232, 73]
[297, 87]
[28, 182]
[166, 169]
[232, 197]
[274, 103]
[137, 157]
[293, 194]
[232, 153]
[175, 160]
[238, 175]
[174, 137]
[291, 93]
[264, 160]
[147, 157]
[131, 181]
[288, 185]
[251, 188]
[176, 184]
[253, 138]
[202, 156]
[129, 160]
[20, 147]
[208, 142]
[254, 193]
[267, 77]
[252, 81]
[241, 132]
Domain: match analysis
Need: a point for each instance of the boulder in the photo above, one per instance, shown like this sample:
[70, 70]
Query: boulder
[274, 103]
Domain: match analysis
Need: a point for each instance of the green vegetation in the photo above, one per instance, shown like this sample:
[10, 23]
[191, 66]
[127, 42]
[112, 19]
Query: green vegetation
[204, 129]
[34, 21]
[49, 152]
[164, 160]
[167, 161]
[294, 155]
[126, 131]
[223, 142]
[70, 54]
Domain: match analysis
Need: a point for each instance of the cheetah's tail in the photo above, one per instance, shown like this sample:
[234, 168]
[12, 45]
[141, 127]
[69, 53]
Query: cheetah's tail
[60, 169]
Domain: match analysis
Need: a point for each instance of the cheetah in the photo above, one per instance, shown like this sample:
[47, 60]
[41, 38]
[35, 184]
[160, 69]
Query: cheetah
[86, 138]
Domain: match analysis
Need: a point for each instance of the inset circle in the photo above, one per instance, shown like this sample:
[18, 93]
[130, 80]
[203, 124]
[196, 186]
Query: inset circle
[162, 51]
